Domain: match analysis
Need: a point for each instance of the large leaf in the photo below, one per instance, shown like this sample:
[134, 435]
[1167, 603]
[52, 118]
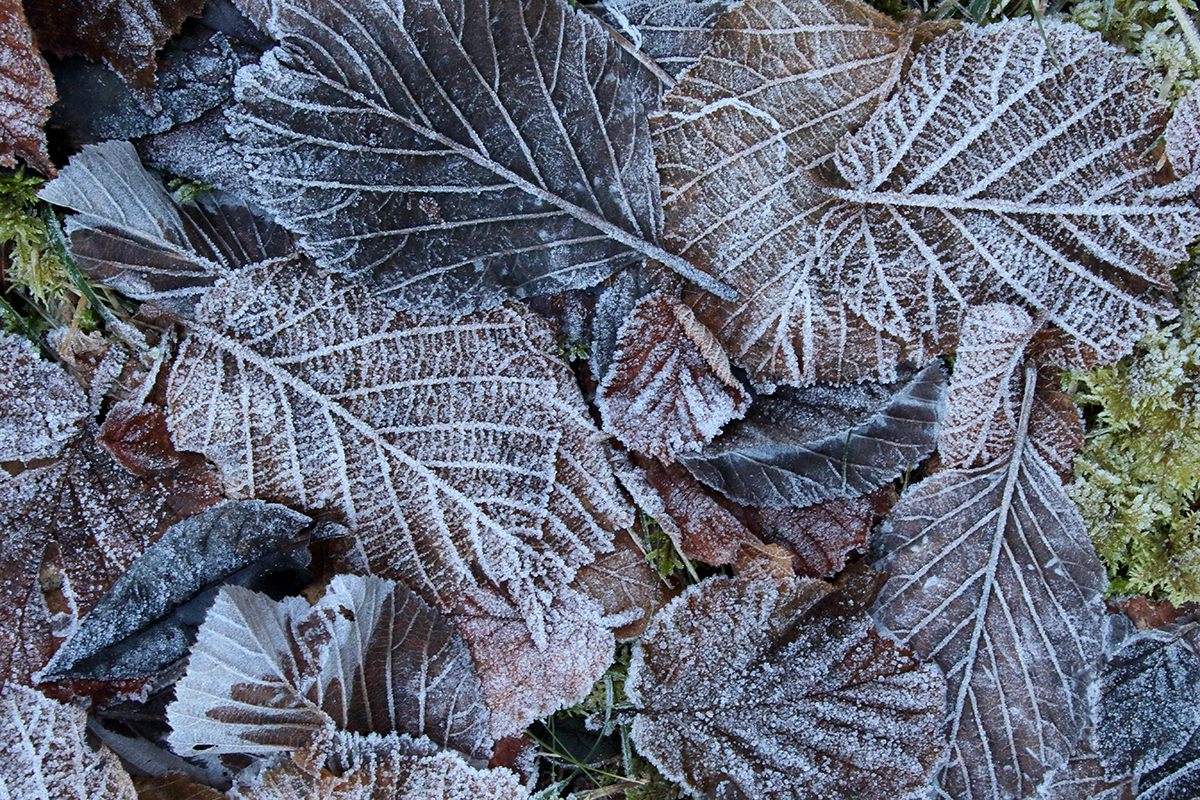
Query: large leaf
[27, 89]
[673, 33]
[1149, 713]
[994, 578]
[759, 688]
[798, 447]
[458, 449]
[46, 755]
[1010, 166]
[148, 619]
[369, 657]
[451, 155]
[132, 235]
[669, 387]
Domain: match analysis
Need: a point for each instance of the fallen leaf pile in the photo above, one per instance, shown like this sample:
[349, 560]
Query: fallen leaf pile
[699, 357]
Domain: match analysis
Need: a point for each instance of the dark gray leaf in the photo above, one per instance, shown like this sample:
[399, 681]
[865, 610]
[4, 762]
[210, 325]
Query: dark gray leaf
[132, 235]
[672, 32]
[614, 305]
[995, 579]
[149, 617]
[1149, 713]
[801, 446]
[452, 155]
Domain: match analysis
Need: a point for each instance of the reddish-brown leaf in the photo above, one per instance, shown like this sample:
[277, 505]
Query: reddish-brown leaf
[26, 92]
[625, 586]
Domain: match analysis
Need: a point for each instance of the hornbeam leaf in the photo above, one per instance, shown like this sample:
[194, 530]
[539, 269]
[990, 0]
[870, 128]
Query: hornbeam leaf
[453, 154]
[47, 756]
[760, 688]
[369, 657]
[994, 578]
[798, 447]
[457, 449]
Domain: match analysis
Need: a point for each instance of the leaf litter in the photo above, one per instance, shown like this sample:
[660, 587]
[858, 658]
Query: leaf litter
[875, 194]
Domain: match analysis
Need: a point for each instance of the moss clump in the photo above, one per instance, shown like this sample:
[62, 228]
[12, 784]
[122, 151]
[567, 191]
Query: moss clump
[32, 263]
[1149, 29]
[1137, 481]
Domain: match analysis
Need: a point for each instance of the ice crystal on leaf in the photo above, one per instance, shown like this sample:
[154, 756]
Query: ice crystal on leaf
[780, 688]
[673, 33]
[43, 405]
[27, 88]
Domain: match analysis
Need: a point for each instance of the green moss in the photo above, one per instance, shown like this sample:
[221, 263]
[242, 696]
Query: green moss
[1148, 29]
[1137, 481]
[32, 263]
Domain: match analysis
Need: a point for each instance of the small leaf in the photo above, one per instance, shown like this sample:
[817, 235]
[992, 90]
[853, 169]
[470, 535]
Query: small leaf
[798, 447]
[369, 657]
[148, 619]
[669, 388]
[625, 586]
[994, 578]
[46, 756]
[760, 688]
[28, 91]
[452, 156]
[42, 406]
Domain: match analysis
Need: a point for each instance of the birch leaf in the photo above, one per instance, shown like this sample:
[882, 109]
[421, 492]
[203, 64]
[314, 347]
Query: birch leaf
[798, 447]
[43, 406]
[132, 235]
[673, 33]
[457, 449]
[46, 755]
[669, 387]
[28, 91]
[453, 155]
[369, 657]
[994, 578]
[148, 619]
[759, 688]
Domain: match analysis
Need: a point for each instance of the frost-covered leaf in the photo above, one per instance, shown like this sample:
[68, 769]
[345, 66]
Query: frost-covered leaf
[27, 89]
[149, 617]
[801, 446]
[980, 421]
[173, 787]
[394, 775]
[457, 449]
[1084, 778]
[370, 656]
[46, 756]
[524, 679]
[41, 406]
[1149, 713]
[671, 32]
[669, 387]
[625, 586]
[994, 578]
[125, 34]
[73, 528]
[452, 154]
[131, 234]
[1182, 137]
[759, 688]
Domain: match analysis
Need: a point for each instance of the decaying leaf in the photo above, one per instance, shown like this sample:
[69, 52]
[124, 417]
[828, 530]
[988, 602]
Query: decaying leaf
[369, 657]
[26, 89]
[994, 578]
[132, 235]
[173, 787]
[1010, 166]
[149, 617]
[43, 407]
[669, 387]
[762, 688]
[458, 450]
[1084, 778]
[1149, 713]
[801, 446]
[1182, 138]
[673, 33]
[625, 586]
[46, 756]
[453, 155]
[394, 774]
[125, 34]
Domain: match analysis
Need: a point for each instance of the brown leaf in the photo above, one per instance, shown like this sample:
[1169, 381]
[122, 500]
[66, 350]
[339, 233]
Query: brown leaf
[173, 787]
[27, 89]
[669, 387]
[125, 34]
[46, 756]
[43, 407]
[625, 586]
[763, 688]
